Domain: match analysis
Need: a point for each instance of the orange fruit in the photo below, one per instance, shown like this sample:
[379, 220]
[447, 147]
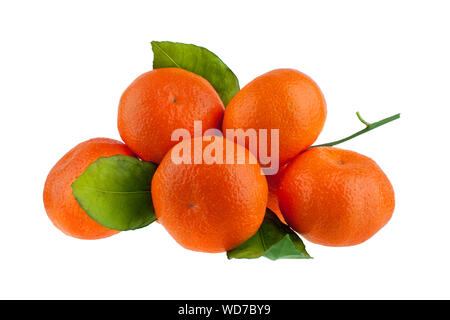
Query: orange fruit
[273, 182]
[160, 101]
[272, 204]
[283, 99]
[60, 204]
[335, 197]
[210, 207]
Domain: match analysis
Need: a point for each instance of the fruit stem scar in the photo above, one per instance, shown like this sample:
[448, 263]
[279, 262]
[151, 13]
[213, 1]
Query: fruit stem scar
[369, 127]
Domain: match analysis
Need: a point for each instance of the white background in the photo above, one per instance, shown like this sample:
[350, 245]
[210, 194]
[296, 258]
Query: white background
[64, 65]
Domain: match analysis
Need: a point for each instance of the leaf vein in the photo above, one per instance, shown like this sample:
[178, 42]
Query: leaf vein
[166, 54]
[119, 192]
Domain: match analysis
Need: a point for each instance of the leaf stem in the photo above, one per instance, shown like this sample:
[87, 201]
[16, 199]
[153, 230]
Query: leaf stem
[361, 119]
[369, 126]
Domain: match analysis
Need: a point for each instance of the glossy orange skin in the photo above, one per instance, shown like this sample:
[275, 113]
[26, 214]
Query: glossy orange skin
[60, 204]
[335, 197]
[283, 99]
[209, 207]
[160, 101]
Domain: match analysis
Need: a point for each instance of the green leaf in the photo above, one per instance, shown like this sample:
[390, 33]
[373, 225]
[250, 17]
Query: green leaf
[274, 240]
[115, 192]
[197, 60]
